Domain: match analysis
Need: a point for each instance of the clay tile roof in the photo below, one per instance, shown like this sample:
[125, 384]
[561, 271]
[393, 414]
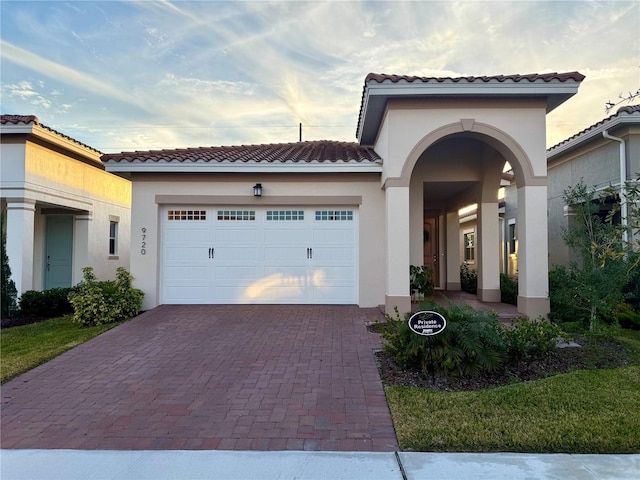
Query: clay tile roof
[630, 109]
[16, 119]
[322, 151]
[33, 120]
[531, 77]
[523, 80]
[622, 111]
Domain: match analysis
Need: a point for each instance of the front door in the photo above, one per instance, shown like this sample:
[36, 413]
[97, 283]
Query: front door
[431, 246]
[58, 251]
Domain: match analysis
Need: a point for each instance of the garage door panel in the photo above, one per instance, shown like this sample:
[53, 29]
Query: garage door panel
[334, 276]
[334, 237]
[283, 255]
[238, 255]
[242, 275]
[237, 235]
[286, 236]
[188, 293]
[261, 291]
[333, 294]
[185, 254]
[334, 255]
[186, 236]
[181, 273]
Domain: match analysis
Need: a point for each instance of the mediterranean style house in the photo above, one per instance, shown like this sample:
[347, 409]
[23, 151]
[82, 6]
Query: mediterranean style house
[62, 210]
[335, 222]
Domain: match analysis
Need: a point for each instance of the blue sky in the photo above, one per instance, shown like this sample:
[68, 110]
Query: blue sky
[139, 75]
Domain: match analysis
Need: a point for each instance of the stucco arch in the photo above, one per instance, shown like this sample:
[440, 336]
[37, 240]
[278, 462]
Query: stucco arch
[533, 298]
[508, 147]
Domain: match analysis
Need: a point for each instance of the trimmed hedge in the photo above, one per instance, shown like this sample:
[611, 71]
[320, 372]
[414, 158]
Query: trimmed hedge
[46, 304]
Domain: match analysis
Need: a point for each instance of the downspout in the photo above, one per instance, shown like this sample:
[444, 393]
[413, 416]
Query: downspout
[623, 180]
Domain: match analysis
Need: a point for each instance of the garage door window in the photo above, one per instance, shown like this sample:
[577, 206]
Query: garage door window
[334, 215]
[186, 215]
[237, 215]
[290, 215]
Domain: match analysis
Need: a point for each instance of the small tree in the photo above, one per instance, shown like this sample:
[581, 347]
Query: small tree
[9, 291]
[604, 263]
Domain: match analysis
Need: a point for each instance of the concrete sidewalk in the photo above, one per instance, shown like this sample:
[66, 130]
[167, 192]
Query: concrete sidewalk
[242, 465]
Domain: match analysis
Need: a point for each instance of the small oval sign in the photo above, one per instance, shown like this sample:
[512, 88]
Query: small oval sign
[427, 323]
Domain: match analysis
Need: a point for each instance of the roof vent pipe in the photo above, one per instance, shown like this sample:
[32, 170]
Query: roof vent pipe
[623, 181]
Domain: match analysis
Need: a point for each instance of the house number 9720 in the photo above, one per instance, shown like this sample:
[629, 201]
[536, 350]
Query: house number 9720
[143, 248]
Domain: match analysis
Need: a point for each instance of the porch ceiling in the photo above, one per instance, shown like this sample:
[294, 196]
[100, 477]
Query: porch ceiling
[445, 191]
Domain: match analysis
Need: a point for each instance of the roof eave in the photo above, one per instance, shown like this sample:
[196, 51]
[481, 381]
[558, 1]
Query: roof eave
[208, 167]
[377, 95]
[590, 135]
[44, 134]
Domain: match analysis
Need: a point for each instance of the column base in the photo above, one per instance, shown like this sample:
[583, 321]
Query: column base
[403, 302]
[490, 295]
[534, 307]
[454, 286]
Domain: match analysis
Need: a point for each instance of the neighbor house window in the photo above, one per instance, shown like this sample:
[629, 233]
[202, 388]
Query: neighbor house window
[113, 237]
[512, 238]
[470, 246]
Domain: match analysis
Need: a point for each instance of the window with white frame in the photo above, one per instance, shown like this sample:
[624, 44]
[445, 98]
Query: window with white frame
[113, 237]
[512, 234]
[469, 246]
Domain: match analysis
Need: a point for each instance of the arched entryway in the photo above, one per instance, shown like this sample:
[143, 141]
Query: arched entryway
[461, 164]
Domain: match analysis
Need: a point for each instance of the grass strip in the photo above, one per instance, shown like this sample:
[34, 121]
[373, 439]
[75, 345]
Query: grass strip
[25, 347]
[579, 412]
[590, 411]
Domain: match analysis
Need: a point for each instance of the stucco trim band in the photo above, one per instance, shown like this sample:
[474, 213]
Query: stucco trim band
[257, 201]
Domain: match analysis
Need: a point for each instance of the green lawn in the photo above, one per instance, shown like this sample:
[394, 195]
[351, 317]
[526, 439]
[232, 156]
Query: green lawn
[595, 411]
[23, 348]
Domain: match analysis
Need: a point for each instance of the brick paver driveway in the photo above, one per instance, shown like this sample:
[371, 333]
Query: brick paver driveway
[210, 377]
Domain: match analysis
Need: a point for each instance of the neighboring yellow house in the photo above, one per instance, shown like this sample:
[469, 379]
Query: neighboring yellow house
[337, 222]
[63, 211]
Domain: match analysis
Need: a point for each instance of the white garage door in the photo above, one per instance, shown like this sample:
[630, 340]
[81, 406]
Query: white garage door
[265, 255]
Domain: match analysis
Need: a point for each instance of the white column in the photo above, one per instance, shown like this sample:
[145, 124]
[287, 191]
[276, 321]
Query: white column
[397, 235]
[20, 219]
[81, 246]
[533, 254]
[488, 247]
[453, 251]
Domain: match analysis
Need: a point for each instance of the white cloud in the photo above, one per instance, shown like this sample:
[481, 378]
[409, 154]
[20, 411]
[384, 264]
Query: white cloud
[206, 73]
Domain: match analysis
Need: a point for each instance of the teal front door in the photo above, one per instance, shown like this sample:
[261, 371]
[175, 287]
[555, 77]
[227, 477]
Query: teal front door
[58, 251]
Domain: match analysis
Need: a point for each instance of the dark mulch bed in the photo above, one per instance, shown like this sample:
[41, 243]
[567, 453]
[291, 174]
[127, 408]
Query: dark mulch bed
[593, 353]
[20, 320]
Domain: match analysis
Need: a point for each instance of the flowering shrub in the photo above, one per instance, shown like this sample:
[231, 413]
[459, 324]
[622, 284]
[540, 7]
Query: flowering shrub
[97, 303]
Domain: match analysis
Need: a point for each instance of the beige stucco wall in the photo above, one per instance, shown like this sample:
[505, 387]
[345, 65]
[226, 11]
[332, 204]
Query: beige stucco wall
[146, 187]
[56, 181]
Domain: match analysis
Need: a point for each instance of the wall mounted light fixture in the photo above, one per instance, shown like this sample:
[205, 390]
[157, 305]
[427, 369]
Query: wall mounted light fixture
[257, 190]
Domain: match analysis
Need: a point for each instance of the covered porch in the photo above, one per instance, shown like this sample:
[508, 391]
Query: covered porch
[445, 143]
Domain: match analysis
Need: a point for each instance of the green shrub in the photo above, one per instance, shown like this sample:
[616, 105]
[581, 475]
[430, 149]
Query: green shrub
[530, 339]
[508, 289]
[627, 317]
[468, 279]
[8, 291]
[562, 287]
[470, 344]
[46, 304]
[97, 303]
[421, 279]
